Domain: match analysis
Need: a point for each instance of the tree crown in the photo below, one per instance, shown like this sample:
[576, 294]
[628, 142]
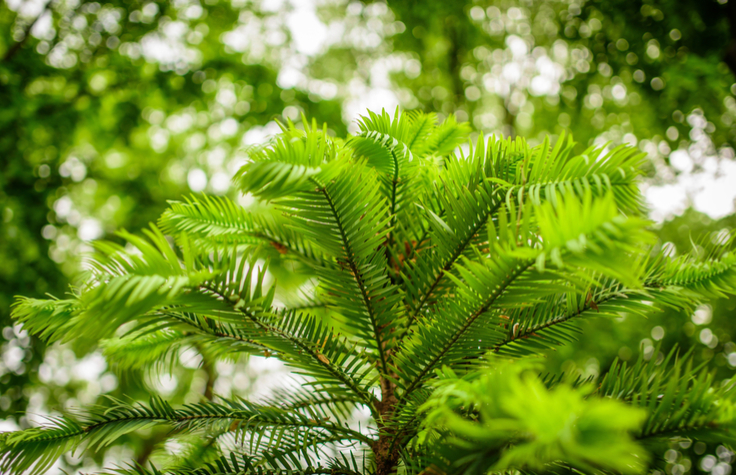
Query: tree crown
[439, 269]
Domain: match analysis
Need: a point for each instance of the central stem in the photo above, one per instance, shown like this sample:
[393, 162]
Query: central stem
[387, 457]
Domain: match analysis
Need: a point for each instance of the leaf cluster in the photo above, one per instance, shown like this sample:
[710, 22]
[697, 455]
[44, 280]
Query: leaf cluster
[429, 258]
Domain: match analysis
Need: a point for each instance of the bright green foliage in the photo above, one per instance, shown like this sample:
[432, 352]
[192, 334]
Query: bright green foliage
[513, 421]
[427, 259]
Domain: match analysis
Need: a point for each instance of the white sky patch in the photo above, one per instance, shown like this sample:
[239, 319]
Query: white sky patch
[197, 179]
[715, 195]
[169, 49]
[259, 135]
[307, 31]
[90, 367]
[517, 46]
[374, 99]
[711, 190]
[375, 94]
[42, 26]
[26, 8]
[90, 229]
[666, 201]
[8, 425]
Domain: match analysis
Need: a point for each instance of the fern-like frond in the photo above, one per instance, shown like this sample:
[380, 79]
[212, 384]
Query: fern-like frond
[142, 351]
[346, 217]
[681, 400]
[418, 262]
[34, 450]
[286, 165]
[214, 220]
[475, 187]
[123, 285]
[521, 276]
[698, 276]
[244, 465]
[385, 144]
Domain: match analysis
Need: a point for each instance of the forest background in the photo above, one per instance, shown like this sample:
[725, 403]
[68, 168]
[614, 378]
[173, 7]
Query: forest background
[109, 109]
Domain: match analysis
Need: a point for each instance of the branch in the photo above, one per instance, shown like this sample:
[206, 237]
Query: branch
[365, 397]
[353, 266]
[508, 280]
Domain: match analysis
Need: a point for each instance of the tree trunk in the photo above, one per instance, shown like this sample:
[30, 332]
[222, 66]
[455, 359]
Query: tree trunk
[386, 456]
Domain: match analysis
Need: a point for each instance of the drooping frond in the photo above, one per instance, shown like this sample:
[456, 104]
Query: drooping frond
[36, 449]
[47, 318]
[244, 465]
[128, 285]
[124, 285]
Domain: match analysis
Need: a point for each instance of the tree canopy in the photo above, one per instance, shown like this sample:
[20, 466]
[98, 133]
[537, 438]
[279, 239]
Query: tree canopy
[434, 270]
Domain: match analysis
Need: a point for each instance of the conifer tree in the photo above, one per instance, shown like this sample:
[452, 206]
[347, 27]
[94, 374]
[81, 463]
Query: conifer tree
[440, 270]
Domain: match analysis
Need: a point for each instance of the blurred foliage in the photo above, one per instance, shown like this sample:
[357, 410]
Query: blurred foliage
[108, 109]
[627, 66]
[95, 136]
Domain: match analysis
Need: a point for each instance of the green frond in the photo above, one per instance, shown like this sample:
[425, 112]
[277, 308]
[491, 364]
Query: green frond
[549, 171]
[347, 218]
[136, 351]
[47, 318]
[505, 418]
[699, 277]
[285, 166]
[36, 449]
[241, 465]
[128, 285]
[421, 125]
[515, 275]
[300, 340]
[445, 138]
[338, 367]
[470, 199]
[584, 230]
[551, 323]
[385, 144]
[681, 400]
[316, 406]
[418, 261]
[214, 221]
